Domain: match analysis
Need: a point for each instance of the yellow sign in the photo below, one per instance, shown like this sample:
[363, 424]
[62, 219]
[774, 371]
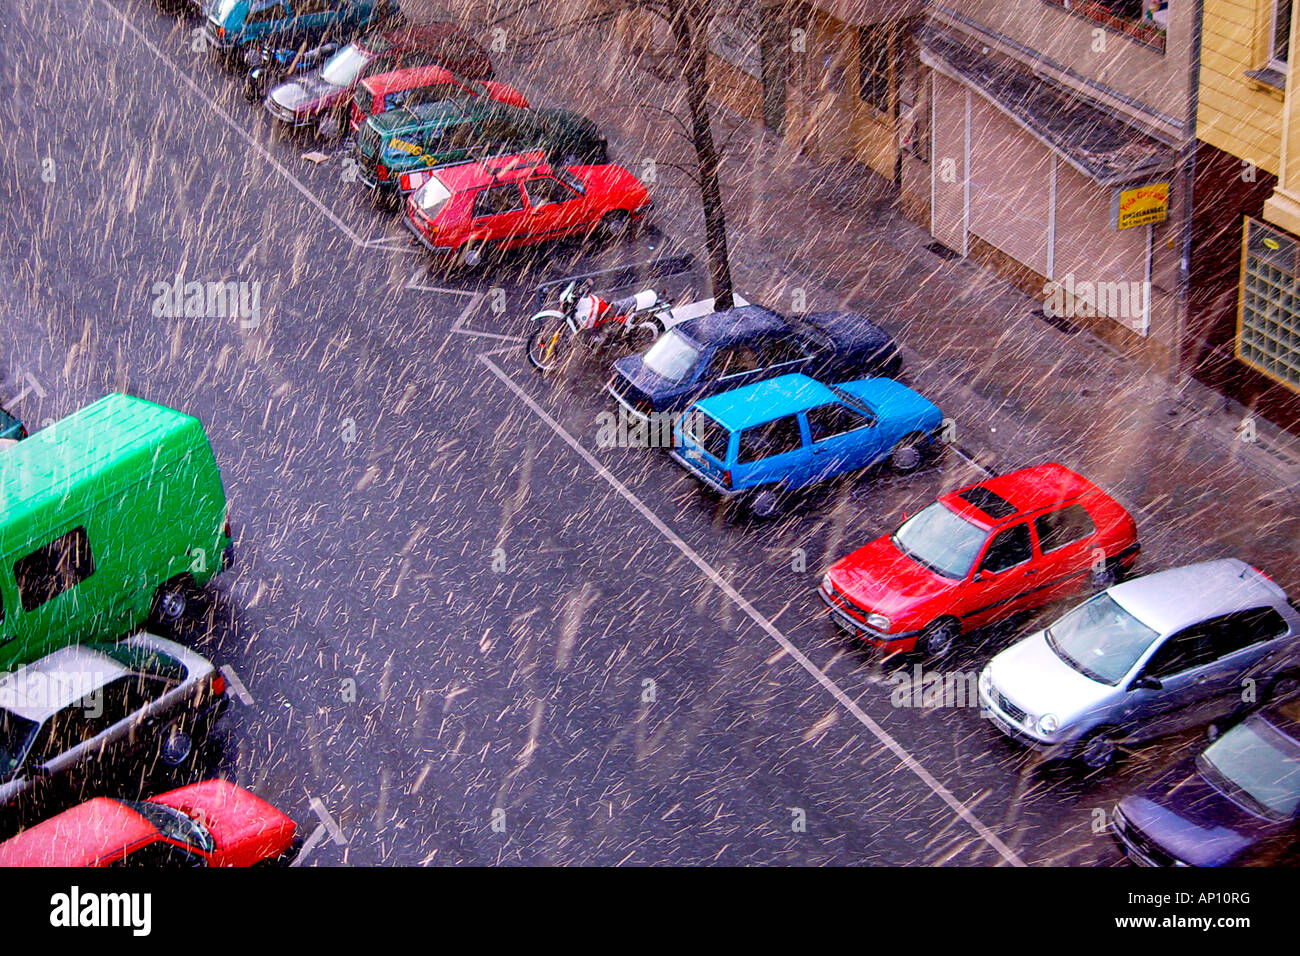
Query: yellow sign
[1142, 205]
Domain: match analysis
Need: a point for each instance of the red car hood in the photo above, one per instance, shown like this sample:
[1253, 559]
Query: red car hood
[613, 182]
[245, 828]
[880, 579]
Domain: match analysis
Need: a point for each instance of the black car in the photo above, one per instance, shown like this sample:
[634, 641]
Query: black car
[11, 428]
[734, 347]
[1235, 804]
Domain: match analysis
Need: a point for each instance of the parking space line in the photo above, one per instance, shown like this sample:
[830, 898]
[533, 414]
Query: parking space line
[910, 762]
[231, 122]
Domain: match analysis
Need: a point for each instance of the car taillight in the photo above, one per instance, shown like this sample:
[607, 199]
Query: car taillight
[726, 478]
[226, 529]
[218, 684]
[381, 173]
[221, 32]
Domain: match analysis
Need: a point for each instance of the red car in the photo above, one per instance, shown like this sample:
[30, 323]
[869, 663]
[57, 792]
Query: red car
[461, 212]
[980, 555]
[423, 84]
[323, 96]
[213, 823]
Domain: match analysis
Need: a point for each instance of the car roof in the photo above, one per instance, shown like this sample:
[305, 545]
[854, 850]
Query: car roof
[433, 113]
[766, 400]
[729, 325]
[1179, 597]
[79, 836]
[407, 78]
[1029, 489]
[64, 677]
[498, 169]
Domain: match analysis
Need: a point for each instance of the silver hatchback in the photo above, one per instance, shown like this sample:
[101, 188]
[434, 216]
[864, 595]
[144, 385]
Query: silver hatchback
[1147, 657]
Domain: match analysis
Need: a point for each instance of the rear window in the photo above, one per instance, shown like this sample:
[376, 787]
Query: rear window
[711, 437]
[363, 100]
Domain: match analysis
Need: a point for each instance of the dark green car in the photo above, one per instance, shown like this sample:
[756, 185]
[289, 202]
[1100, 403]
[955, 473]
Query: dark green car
[445, 132]
[10, 427]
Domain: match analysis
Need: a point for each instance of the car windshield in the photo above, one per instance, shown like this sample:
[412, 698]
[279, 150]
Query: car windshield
[570, 180]
[16, 735]
[1100, 639]
[940, 539]
[432, 197]
[224, 9]
[1255, 763]
[344, 66]
[174, 824]
[674, 357]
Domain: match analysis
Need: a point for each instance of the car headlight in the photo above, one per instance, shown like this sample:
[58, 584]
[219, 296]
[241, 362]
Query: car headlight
[1048, 724]
[879, 622]
[826, 582]
[986, 681]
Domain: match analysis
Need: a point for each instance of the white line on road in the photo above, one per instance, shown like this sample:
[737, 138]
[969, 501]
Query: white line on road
[910, 762]
[237, 685]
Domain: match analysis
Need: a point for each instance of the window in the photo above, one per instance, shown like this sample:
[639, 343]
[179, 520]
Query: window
[1279, 47]
[1009, 548]
[50, 570]
[710, 436]
[160, 855]
[547, 190]
[766, 441]
[873, 67]
[265, 15]
[827, 421]
[782, 352]
[72, 726]
[431, 94]
[1232, 632]
[1141, 20]
[1187, 649]
[1268, 328]
[735, 360]
[496, 200]
[307, 7]
[1056, 529]
[992, 504]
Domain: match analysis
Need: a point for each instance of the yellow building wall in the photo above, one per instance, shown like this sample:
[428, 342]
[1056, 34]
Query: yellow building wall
[1236, 114]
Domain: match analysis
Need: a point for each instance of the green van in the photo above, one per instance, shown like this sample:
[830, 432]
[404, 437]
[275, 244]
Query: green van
[107, 519]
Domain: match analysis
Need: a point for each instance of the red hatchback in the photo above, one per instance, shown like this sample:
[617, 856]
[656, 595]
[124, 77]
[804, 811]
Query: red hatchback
[213, 823]
[980, 555]
[462, 212]
[423, 84]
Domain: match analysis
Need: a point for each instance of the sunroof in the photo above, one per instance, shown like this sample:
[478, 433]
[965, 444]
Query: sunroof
[995, 506]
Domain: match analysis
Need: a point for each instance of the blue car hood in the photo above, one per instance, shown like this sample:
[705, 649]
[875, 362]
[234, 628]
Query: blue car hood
[893, 399]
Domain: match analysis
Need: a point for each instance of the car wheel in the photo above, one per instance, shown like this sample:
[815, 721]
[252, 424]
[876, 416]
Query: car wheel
[170, 603]
[908, 454]
[1103, 578]
[614, 225]
[470, 255]
[177, 746]
[939, 636]
[764, 503]
[1098, 750]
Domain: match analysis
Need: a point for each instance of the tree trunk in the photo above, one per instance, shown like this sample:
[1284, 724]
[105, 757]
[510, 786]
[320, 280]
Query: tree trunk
[689, 26]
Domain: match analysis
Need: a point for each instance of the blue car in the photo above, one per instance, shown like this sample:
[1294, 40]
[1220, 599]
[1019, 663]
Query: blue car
[234, 24]
[1235, 804]
[762, 442]
[10, 427]
[728, 349]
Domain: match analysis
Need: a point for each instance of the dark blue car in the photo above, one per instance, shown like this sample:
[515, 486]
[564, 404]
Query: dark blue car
[10, 427]
[726, 350]
[1235, 804]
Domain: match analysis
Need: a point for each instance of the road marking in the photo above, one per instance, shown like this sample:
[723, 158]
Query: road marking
[239, 130]
[910, 762]
[326, 827]
[32, 386]
[459, 325]
[415, 284]
[237, 685]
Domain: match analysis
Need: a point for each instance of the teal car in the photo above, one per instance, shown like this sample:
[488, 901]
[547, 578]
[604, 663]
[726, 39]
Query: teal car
[762, 442]
[234, 24]
[11, 429]
[394, 146]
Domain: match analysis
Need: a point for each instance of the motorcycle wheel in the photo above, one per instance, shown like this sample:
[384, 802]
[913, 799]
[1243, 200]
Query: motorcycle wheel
[252, 89]
[643, 334]
[550, 346]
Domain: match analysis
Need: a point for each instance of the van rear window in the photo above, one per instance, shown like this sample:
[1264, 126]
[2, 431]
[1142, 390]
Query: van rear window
[710, 436]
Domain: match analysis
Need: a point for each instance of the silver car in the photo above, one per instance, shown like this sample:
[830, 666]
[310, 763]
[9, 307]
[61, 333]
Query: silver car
[70, 716]
[1144, 658]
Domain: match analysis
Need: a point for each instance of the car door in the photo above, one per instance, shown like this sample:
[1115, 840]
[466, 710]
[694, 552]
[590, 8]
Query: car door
[69, 748]
[1065, 539]
[1243, 644]
[1179, 665]
[772, 453]
[1003, 574]
[733, 365]
[553, 208]
[499, 215]
[782, 354]
[842, 439]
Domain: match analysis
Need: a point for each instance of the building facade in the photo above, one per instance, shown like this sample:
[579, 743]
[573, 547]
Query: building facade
[1051, 142]
[1243, 331]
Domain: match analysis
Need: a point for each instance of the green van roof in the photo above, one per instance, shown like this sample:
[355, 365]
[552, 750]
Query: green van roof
[64, 459]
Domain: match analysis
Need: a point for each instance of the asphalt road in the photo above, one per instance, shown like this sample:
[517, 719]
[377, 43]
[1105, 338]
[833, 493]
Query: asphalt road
[468, 634]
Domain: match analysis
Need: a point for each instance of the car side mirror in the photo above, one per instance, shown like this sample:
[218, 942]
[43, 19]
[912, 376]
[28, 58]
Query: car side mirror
[1146, 683]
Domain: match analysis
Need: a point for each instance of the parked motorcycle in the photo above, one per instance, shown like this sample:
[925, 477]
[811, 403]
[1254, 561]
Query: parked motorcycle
[585, 320]
[268, 64]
